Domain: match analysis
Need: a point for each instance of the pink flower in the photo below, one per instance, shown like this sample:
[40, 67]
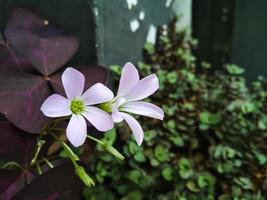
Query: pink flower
[79, 106]
[131, 91]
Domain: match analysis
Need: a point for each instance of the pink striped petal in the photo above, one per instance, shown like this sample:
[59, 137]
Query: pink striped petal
[77, 130]
[135, 127]
[56, 106]
[73, 82]
[144, 88]
[143, 108]
[129, 78]
[96, 94]
[101, 120]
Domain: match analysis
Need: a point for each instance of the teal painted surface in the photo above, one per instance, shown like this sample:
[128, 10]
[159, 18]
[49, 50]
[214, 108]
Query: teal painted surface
[117, 44]
[104, 26]
[250, 37]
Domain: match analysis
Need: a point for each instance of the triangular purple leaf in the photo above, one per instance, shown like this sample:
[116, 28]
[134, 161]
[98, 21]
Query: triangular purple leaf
[44, 46]
[11, 183]
[10, 60]
[7, 177]
[61, 182]
[21, 96]
[24, 19]
[15, 144]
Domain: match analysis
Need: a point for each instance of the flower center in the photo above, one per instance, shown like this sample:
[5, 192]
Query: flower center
[115, 103]
[77, 106]
[106, 107]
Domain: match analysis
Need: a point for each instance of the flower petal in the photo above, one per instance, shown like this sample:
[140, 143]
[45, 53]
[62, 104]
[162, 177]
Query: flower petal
[129, 77]
[135, 127]
[56, 106]
[77, 130]
[101, 120]
[73, 82]
[143, 108]
[143, 88]
[116, 116]
[96, 94]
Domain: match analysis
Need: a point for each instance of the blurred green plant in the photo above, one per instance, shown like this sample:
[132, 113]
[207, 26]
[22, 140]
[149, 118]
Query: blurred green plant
[212, 144]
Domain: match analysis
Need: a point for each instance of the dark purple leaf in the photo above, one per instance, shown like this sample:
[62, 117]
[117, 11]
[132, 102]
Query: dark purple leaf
[61, 182]
[7, 177]
[24, 19]
[10, 60]
[11, 182]
[93, 74]
[44, 46]
[21, 96]
[15, 144]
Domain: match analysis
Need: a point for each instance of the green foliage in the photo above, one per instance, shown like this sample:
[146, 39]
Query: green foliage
[211, 144]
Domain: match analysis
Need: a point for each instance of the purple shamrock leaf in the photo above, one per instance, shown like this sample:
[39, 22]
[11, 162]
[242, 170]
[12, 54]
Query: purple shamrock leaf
[37, 41]
[21, 94]
[15, 144]
[22, 91]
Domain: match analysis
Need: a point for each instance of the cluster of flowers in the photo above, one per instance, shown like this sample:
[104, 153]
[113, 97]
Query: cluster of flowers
[99, 106]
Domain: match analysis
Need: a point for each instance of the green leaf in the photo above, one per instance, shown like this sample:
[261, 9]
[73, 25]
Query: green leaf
[209, 118]
[202, 182]
[140, 157]
[172, 77]
[162, 153]
[134, 176]
[110, 136]
[177, 140]
[133, 195]
[185, 169]
[234, 69]
[150, 135]
[167, 173]
[192, 186]
[244, 182]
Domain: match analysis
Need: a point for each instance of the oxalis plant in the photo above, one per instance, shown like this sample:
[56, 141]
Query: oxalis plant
[212, 143]
[47, 106]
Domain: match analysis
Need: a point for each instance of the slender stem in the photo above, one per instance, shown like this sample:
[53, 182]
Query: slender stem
[109, 148]
[79, 170]
[13, 163]
[39, 169]
[95, 139]
[40, 144]
[48, 162]
[72, 156]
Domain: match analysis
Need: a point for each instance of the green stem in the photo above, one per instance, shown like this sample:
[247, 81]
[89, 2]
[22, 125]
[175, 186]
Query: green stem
[71, 154]
[79, 170]
[95, 139]
[39, 169]
[109, 148]
[13, 163]
[40, 144]
[48, 162]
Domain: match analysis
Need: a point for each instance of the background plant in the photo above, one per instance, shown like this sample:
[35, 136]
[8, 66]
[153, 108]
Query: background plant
[212, 144]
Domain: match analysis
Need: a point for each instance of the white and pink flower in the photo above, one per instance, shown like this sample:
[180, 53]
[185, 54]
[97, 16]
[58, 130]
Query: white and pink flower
[128, 100]
[79, 106]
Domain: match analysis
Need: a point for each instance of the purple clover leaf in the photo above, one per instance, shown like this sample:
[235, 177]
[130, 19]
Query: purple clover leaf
[24, 86]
